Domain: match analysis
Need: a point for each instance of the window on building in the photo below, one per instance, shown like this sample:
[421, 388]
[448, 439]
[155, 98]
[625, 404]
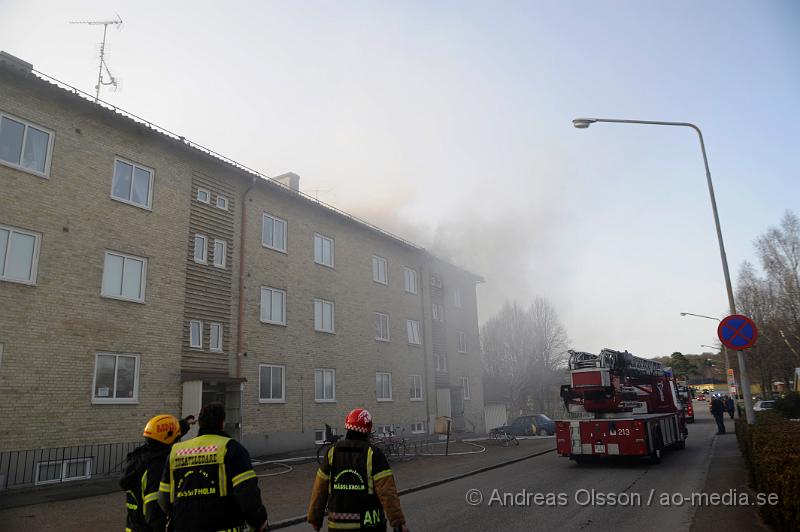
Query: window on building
[324, 385]
[410, 280]
[379, 270]
[418, 427]
[323, 250]
[200, 249]
[383, 386]
[116, 378]
[273, 305]
[124, 277]
[457, 297]
[132, 183]
[271, 383]
[384, 429]
[438, 312]
[196, 334]
[220, 251]
[215, 337]
[461, 340]
[412, 327]
[323, 315]
[19, 255]
[465, 387]
[381, 324]
[273, 233]
[63, 470]
[222, 203]
[416, 387]
[203, 195]
[440, 361]
[436, 281]
[24, 145]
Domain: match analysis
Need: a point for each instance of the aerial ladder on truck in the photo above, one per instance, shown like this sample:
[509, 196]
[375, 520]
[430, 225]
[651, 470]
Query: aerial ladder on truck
[621, 405]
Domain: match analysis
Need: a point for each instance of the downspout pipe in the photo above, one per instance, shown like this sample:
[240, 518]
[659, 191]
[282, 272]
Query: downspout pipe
[240, 319]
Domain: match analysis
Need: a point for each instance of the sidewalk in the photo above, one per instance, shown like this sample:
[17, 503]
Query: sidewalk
[727, 471]
[285, 495]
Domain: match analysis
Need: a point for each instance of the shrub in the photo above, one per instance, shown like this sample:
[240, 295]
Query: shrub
[772, 450]
[789, 406]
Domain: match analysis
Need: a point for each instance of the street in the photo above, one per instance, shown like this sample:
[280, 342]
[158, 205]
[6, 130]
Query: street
[445, 507]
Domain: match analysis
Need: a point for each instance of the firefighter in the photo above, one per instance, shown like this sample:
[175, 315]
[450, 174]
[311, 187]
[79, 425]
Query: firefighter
[356, 483]
[143, 471]
[209, 483]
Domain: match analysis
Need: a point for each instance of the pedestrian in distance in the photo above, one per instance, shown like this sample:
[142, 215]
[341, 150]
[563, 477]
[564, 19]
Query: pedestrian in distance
[143, 469]
[356, 484]
[729, 406]
[718, 411]
[209, 483]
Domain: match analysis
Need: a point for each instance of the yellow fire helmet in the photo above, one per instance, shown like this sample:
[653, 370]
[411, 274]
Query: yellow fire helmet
[164, 428]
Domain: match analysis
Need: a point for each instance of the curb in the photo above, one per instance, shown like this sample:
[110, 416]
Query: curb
[433, 483]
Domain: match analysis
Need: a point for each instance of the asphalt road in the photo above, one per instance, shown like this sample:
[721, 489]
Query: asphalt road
[569, 488]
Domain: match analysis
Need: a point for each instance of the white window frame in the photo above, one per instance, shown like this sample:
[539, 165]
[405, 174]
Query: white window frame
[324, 302]
[412, 329]
[217, 263]
[436, 280]
[384, 429]
[323, 238]
[224, 201]
[465, 388]
[440, 362]
[261, 305]
[410, 280]
[116, 400]
[282, 398]
[378, 319]
[414, 380]
[377, 260]
[50, 140]
[200, 329]
[377, 395]
[34, 260]
[420, 430]
[208, 195]
[204, 258]
[143, 279]
[285, 233]
[457, 302]
[437, 312]
[64, 478]
[333, 385]
[321, 433]
[152, 173]
[220, 329]
[461, 341]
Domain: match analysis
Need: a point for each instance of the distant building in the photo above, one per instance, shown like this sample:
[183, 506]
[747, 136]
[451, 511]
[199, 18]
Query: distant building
[142, 274]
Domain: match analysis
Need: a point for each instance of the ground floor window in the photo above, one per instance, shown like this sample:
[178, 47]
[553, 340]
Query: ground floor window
[63, 470]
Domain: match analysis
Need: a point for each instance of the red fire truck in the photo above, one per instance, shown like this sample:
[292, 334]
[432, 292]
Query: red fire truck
[623, 405]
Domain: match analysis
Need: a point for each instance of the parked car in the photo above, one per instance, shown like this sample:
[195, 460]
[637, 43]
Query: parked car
[532, 425]
[760, 406]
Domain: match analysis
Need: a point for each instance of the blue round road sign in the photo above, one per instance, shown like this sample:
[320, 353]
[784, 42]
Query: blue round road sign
[737, 332]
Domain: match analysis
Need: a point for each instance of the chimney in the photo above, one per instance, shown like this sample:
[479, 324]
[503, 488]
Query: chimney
[290, 180]
[8, 60]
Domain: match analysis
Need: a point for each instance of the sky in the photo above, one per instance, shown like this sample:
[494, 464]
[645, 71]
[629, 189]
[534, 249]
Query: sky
[449, 123]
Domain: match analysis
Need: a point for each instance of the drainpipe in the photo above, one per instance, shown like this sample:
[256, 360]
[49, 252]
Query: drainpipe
[427, 344]
[240, 320]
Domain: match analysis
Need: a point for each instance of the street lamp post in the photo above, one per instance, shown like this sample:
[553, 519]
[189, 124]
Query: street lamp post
[583, 123]
[724, 348]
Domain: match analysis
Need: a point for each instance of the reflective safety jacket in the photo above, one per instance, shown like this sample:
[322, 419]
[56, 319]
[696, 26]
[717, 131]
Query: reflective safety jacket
[143, 470]
[209, 485]
[356, 482]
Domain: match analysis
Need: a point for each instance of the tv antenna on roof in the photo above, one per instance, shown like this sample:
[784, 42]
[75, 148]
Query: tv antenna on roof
[101, 80]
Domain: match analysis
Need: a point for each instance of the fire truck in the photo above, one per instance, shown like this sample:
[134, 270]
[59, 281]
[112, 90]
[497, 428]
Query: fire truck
[621, 405]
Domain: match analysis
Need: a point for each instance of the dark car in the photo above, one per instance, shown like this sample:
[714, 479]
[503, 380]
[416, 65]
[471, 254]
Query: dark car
[532, 425]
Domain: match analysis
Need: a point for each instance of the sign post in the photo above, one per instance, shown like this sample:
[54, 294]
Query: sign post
[739, 332]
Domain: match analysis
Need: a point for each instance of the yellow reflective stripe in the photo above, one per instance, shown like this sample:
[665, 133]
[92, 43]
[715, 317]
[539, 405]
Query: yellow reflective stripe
[131, 506]
[128, 530]
[370, 480]
[150, 497]
[334, 524]
[383, 474]
[223, 480]
[330, 466]
[241, 477]
[163, 487]
[322, 475]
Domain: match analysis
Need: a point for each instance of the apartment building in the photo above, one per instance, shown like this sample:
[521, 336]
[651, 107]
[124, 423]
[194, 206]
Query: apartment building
[143, 274]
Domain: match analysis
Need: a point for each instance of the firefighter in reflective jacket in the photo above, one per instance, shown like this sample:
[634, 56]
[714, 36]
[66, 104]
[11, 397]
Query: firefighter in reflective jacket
[356, 483]
[209, 483]
[143, 469]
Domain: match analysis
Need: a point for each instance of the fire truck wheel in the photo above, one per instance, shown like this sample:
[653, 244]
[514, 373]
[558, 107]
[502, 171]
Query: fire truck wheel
[681, 445]
[658, 446]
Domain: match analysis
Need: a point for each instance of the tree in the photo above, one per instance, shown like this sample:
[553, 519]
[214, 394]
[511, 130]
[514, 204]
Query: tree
[681, 366]
[525, 350]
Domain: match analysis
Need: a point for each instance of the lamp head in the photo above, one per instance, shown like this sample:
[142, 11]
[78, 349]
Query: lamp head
[583, 123]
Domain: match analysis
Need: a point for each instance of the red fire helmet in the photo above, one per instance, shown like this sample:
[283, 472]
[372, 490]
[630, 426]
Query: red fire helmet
[359, 420]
